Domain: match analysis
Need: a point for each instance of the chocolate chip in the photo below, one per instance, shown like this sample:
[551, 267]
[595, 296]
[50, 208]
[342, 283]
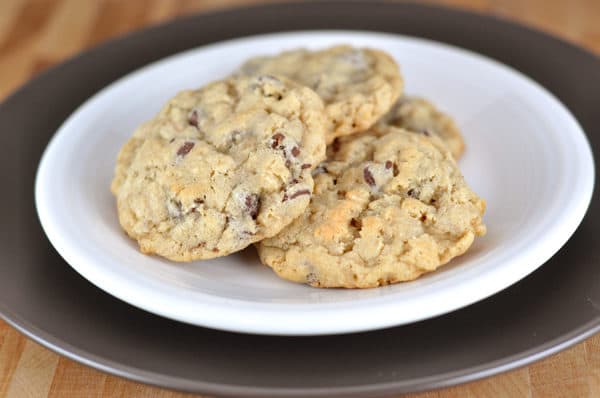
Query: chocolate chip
[295, 181]
[396, 171]
[199, 201]
[277, 138]
[413, 193]
[305, 166]
[300, 193]
[185, 148]
[388, 164]
[193, 118]
[356, 223]
[215, 250]
[336, 145]
[397, 121]
[368, 177]
[252, 203]
[295, 151]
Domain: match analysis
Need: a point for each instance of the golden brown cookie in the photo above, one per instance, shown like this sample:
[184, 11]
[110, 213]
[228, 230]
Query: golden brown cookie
[388, 206]
[419, 115]
[220, 167]
[357, 85]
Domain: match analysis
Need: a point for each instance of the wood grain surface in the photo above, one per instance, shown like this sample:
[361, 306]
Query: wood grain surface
[35, 34]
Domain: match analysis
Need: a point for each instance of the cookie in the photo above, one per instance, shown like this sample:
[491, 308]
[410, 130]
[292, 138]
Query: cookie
[220, 167]
[418, 114]
[388, 206]
[358, 86]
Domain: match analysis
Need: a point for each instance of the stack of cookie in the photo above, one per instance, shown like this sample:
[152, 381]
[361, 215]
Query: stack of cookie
[317, 158]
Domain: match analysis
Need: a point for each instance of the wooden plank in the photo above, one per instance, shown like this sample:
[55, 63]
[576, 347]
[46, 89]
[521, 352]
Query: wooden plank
[513, 384]
[11, 348]
[161, 10]
[15, 68]
[9, 17]
[30, 21]
[17, 51]
[67, 30]
[115, 18]
[559, 376]
[34, 372]
[592, 357]
[72, 379]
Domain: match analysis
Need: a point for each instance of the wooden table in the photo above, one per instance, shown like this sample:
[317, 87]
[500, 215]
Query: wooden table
[35, 34]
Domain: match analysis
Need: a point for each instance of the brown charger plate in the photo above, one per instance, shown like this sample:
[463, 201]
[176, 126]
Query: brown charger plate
[46, 299]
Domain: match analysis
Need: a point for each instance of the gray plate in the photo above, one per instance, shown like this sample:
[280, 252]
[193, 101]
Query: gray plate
[44, 298]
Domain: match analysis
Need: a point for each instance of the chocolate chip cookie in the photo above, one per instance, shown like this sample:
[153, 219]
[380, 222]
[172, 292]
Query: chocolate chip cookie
[220, 167]
[419, 115]
[358, 85]
[388, 206]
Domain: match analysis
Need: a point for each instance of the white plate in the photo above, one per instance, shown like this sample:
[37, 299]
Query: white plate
[526, 155]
